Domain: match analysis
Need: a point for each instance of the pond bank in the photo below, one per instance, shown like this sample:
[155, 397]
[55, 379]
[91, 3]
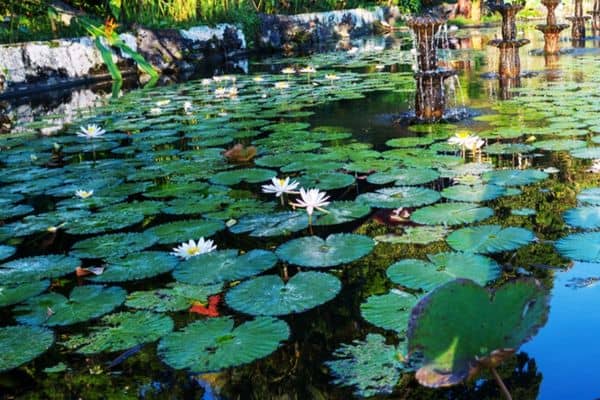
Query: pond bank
[35, 67]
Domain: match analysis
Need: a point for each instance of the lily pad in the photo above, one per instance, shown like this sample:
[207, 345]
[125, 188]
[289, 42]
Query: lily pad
[583, 217]
[270, 295]
[214, 344]
[136, 266]
[84, 303]
[590, 197]
[389, 311]
[340, 212]
[416, 235]
[113, 245]
[461, 327]
[451, 214]
[250, 175]
[442, 268]
[182, 231]
[474, 194]
[14, 294]
[21, 344]
[37, 268]
[580, 247]
[399, 197]
[514, 177]
[404, 176]
[122, 331]
[6, 251]
[224, 266]
[314, 252]
[176, 297]
[276, 224]
[489, 239]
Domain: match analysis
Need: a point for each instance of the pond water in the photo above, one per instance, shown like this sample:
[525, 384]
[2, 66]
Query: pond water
[93, 304]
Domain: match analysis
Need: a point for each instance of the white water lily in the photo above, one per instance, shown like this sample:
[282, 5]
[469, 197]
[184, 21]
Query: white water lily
[308, 70]
[84, 194]
[155, 111]
[288, 71]
[91, 131]
[191, 248]
[466, 141]
[332, 77]
[312, 199]
[258, 79]
[187, 107]
[162, 103]
[282, 85]
[280, 186]
[220, 92]
[206, 81]
[595, 167]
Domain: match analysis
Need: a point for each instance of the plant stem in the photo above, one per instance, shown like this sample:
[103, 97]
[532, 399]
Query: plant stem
[501, 384]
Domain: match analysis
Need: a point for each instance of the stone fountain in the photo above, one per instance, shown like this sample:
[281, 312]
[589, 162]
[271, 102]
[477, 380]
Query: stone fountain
[578, 22]
[510, 62]
[430, 98]
[551, 29]
[595, 13]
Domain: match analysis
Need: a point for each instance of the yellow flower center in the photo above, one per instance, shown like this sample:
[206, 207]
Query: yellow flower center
[192, 250]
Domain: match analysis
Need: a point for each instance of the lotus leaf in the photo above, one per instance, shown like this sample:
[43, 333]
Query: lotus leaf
[122, 331]
[314, 252]
[514, 177]
[270, 295]
[136, 266]
[461, 326]
[404, 176]
[451, 214]
[371, 366]
[176, 297]
[14, 294]
[224, 266]
[183, 231]
[113, 245]
[84, 303]
[399, 197]
[20, 344]
[583, 217]
[389, 311]
[442, 268]
[276, 224]
[489, 239]
[474, 194]
[37, 268]
[250, 175]
[214, 344]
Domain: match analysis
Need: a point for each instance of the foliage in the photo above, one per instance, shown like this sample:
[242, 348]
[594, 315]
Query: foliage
[20, 344]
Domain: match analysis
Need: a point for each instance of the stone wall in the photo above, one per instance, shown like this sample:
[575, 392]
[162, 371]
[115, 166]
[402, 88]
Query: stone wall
[293, 32]
[46, 65]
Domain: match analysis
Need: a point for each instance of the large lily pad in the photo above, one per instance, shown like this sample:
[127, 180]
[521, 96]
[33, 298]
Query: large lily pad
[224, 266]
[270, 295]
[21, 344]
[442, 268]
[182, 231]
[389, 311]
[514, 177]
[580, 247]
[122, 331]
[176, 297]
[314, 252]
[37, 268]
[416, 235]
[404, 176]
[398, 197]
[214, 344]
[372, 367]
[83, 304]
[340, 212]
[461, 326]
[113, 245]
[250, 175]
[474, 193]
[583, 217]
[276, 224]
[145, 264]
[14, 294]
[451, 214]
[489, 239]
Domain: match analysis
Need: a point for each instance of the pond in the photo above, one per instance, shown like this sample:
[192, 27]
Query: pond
[103, 294]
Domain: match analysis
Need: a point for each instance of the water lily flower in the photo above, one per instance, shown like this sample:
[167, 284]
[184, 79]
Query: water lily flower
[155, 111]
[187, 107]
[220, 92]
[332, 77]
[84, 194]
[312, 199]
[466, 141]
[91, 132]
[161, 103]
[308, 70]
[353, 50]
[380, 67]
[281, 186]
[258, 79]
[595, 168]
[282, 85]
[206, 81]
[191, 248]
[232, 92]
[223, 78]
[288, 71]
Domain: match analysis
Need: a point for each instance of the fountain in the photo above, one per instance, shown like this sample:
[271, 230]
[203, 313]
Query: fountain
[430, 98]
[510, 62]
[595, 13]
[578, 22]
[551, 29]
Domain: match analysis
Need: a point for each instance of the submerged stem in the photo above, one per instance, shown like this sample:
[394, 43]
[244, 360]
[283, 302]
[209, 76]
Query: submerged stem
[501, 384]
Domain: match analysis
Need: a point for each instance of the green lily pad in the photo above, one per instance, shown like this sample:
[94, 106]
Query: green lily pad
[583, 217]
[276, 224]
[451, 214]
[560, 144]
[183, 231]
[223, 266]
[214, 344]
[176, 297]
[6, 251]
[113, 245]
[270, 295]
[399, 197]
[250, 175]
[590, 197]
[121, 331]
[326, 180]
[389, 311]
[461, 326]
[372, 367]
[404, 176]
[408, 142]
[523, 212]
[14, 294]
[21, 344]
[314, 252]
[442, 268]
[104, 221]
[84, 303]
[489, 239]
[474, 193]
[340, 212]
[580, 247]
[586, 153]
[30, 269]
[514, 177]
[416, 235]
[136, 266]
